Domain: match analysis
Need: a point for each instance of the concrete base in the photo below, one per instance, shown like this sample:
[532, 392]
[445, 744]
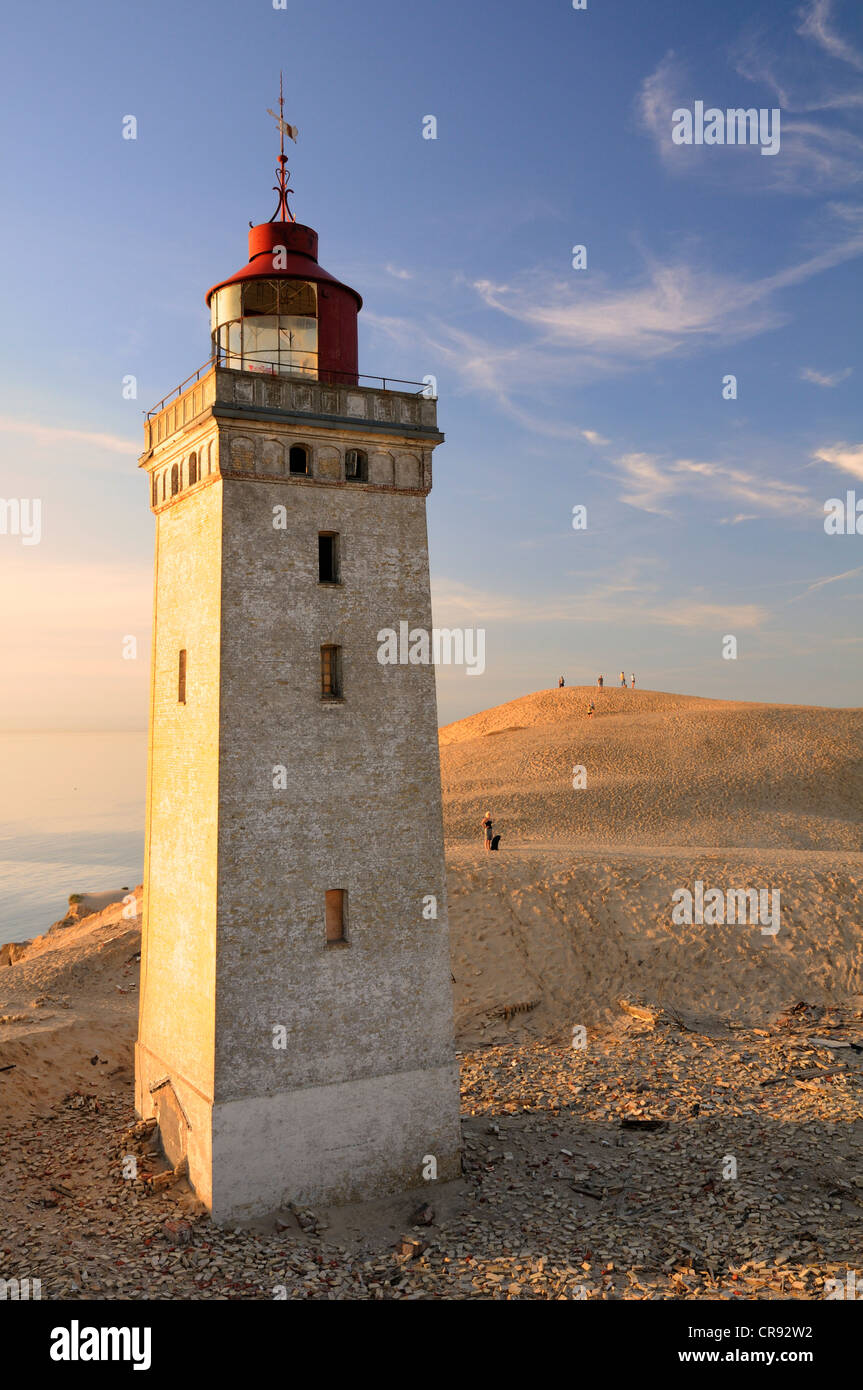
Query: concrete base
[152, 1078]
[324, 1145]
[328, 1145]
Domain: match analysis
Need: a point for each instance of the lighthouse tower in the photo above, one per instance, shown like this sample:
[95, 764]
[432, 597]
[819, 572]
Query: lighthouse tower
[295, 1038]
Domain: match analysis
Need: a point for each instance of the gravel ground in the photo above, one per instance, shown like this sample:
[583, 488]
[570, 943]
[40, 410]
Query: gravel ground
[594, 1172]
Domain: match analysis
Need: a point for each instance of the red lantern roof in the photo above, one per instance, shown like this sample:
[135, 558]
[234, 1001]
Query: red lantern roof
[298, 260]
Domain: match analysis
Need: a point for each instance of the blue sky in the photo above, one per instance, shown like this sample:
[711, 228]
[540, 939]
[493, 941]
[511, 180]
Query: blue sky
[558, 387]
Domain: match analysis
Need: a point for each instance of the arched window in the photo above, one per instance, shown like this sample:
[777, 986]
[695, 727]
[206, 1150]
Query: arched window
[155, 489]
[299, 459]
[193, 469]
[175, 480]
[356, 466]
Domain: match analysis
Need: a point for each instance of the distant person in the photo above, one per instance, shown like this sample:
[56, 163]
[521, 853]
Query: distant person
[487, 830]
[560, 682]
[599, 682]
[590, 708]
[632, 683]
[623, 679]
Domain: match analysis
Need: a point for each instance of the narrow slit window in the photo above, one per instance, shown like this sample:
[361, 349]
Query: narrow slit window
[193, 469]
[335, 904]
[328, 557]
[181, 678]
[175, 480]
[331, 672]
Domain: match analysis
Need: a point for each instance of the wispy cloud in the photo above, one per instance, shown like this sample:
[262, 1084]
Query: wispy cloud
[816, 584]
[501, 373]
[824, 378]
[594, 329]
[816, 155]
[817, 24]
[798, 83]
[55, 434]
[398, 273]
[560, 333]
[645, 484]
[650, 483]
[623, 603]
[848, 457]
[672, 307]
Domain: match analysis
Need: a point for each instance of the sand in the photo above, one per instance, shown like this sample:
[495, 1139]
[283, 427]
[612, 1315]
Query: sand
[574, 914]
[698, 1028]
[71, 996]
[662, 771]
[575, 911]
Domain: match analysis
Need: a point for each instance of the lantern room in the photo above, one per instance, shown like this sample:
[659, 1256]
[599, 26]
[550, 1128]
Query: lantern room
[282, 313]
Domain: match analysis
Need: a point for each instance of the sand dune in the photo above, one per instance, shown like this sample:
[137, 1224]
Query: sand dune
[575, 912]
[661, 770]
[573, 916]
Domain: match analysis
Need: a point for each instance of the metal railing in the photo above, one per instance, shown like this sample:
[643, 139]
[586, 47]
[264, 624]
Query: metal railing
[265, 368]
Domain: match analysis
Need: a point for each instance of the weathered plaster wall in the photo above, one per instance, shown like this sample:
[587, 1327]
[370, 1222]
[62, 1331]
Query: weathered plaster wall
[238, 867]
[178, 956]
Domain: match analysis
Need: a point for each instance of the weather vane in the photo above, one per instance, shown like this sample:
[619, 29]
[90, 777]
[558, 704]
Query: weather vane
[283, 212]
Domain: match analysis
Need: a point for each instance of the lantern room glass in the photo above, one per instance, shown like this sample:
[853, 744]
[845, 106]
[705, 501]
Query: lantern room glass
[267, 326]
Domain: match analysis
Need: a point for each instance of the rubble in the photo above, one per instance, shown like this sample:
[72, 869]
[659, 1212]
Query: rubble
[562, 1197]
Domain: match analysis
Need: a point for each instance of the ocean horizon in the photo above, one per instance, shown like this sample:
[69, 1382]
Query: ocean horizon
[71, 821]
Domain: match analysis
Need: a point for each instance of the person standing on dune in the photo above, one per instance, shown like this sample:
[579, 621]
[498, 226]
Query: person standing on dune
[560, 682]
[487, 828]
[623, 679]
[599, 682]
[632, 682]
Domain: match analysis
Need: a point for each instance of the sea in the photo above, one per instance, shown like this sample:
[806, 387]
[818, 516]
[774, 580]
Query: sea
[71, 821]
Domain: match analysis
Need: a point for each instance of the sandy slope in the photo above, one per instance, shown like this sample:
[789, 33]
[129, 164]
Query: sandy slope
[546, 940]
[574, 913]
[70, 997]
[571, 917]
[665, 770]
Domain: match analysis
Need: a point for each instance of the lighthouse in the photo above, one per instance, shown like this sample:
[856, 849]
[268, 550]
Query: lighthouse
[295, 1039]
